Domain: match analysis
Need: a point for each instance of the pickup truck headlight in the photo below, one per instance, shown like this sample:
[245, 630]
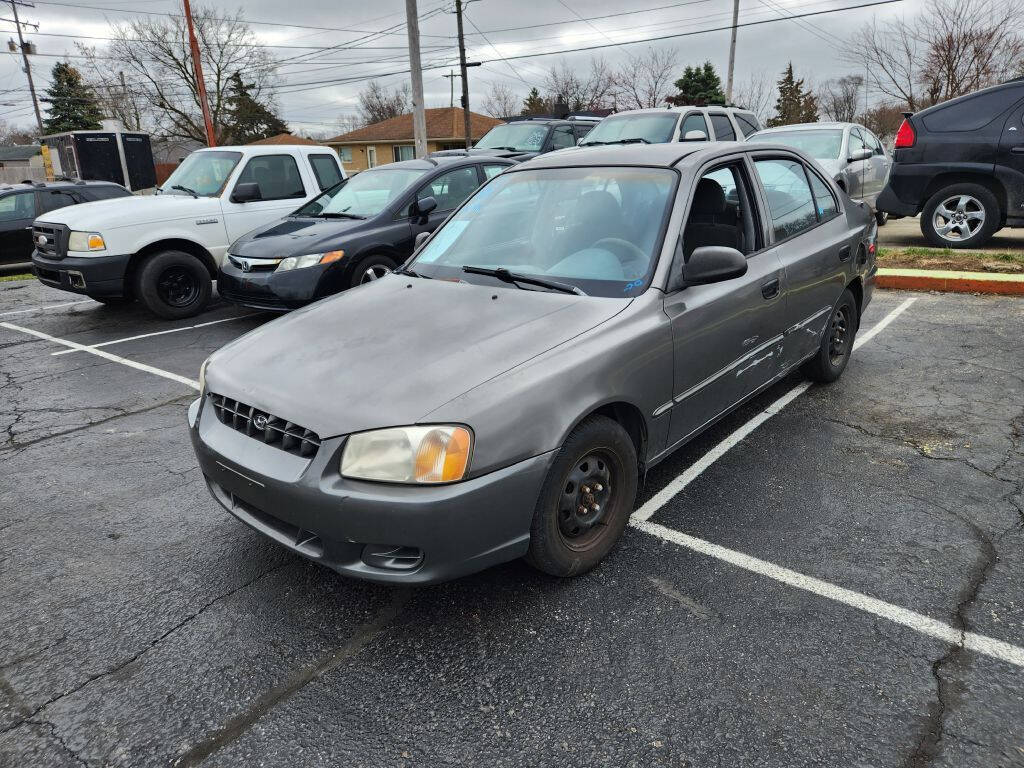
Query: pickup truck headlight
[432, 454]
[86, 241]
[298, 262]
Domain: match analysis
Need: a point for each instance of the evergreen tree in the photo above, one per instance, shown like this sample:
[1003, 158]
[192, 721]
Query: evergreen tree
[534, 104]
[246, 119]
[699, 86]
[794, 105]
[73, 105]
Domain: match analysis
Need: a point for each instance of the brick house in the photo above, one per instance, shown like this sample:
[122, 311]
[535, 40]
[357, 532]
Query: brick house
[392, 140]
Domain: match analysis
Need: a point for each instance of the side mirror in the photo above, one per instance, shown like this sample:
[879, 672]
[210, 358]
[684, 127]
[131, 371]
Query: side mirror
[424, 206]
[860, 154]
[712, 264]
[420, 239]
[246, 192]
[695, 136]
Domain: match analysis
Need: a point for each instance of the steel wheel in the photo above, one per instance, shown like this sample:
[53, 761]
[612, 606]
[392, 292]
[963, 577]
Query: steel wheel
[373, 272]
[839, 336]
[587, 495]
[958, 218]
[177, 286]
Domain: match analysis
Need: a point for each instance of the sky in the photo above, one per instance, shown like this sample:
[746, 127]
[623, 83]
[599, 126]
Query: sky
[375, 42]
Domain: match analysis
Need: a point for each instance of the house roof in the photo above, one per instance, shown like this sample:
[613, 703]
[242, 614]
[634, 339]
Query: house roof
[442, 123]
[286, 138]
[19, 152]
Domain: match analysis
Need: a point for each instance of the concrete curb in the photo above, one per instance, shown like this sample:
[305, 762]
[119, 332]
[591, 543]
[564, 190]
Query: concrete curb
[954, 282]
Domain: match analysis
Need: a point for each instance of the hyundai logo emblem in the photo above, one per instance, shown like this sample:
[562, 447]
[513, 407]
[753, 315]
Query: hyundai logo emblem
[260, 421]
[41, 239]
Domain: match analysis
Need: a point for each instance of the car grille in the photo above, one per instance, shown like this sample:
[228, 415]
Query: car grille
[275, 431]
[254, 265]
[56, 245]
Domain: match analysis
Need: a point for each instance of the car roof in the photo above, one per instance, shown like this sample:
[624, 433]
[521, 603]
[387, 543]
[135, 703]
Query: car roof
[668, 155]
[436, 161]
[808, 127]
[57, 184]
[676, 110]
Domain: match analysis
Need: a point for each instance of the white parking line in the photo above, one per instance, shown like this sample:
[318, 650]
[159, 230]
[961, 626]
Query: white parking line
[918, 622]
[154, 333]
[44, 308]
[105, 355]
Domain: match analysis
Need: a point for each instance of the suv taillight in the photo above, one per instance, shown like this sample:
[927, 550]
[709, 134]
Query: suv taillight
[905, 136]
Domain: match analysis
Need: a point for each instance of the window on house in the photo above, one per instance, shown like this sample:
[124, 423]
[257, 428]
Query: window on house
[404, 152]
[346, 154]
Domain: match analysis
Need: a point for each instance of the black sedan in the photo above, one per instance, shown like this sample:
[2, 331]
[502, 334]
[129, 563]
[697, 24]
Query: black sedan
[353, 233]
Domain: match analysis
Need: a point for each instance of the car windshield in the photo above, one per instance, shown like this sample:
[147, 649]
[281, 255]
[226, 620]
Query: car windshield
[523, 137]
[652, 127]
[595, 229]
[821, 144]
[363, 195]
[202, 173]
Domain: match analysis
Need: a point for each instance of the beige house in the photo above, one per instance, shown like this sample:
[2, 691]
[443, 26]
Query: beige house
[392, 140]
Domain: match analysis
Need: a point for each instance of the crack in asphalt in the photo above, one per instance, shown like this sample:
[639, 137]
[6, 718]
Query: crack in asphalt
[135, 657]
[231, 730]
[60, 740]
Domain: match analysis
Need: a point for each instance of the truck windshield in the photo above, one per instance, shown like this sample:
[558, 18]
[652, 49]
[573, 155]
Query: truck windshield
[821, 144]
[201, 172]
[651, 127]
[365, 194]
[522, 137]
[598, 229]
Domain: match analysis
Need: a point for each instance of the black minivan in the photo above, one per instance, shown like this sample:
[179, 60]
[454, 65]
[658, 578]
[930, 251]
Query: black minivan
[21, 203]
[353, 233]
[960, 165]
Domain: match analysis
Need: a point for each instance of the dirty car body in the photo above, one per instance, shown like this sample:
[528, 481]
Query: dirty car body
[612, 326]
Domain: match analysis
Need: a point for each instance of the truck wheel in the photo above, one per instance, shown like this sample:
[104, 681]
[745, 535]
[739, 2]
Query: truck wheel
[960, 216]
[586, 499]
[370, 268]
[173, 285]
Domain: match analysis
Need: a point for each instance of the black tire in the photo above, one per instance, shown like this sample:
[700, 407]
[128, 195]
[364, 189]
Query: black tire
[595, 469]
[113, 301]
[836, 342]
[967, 230]
[374, 264]
[881, 217]
[173, 285]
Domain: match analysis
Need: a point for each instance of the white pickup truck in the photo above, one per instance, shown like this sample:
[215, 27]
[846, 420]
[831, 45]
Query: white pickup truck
[164, 249]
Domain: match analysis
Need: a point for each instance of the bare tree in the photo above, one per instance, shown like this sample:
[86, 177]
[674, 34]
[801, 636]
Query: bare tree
[578, 91]
[16, 134]
[644, 81]
[159, 81]
[883, 120]
[377, 103]
[840, 99]
[501, 101]
[951, 48]
[756, 94]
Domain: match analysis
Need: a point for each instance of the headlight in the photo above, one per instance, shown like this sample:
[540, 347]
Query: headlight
[86, 241]
[298, 262]
[202, 376]
[431, 454]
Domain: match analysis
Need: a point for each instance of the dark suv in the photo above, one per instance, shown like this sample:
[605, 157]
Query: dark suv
[21, 203]
[524, 137]
[960, 164]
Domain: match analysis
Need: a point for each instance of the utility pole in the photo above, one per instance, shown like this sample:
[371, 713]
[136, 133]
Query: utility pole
[732, 50]
[197, 66]
[28, 66]
[465, 79]
[451, 83]
[419, 116]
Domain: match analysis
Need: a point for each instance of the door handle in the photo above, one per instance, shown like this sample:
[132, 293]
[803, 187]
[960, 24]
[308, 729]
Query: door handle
[1018, 150]
[770, 289]
[844, 253]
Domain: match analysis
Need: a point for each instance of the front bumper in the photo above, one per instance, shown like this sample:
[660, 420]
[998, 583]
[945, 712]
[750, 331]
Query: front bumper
[305, 505]
[267, 289]
[89, 275]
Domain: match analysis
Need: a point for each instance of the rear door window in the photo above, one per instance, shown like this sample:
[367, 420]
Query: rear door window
[276, 175]
[969, 113]
[325, 168]
[723, 127]
[823, 197]
[790, 202]
[52, 199]
[746, 123]
[91, 194]
[20, 205]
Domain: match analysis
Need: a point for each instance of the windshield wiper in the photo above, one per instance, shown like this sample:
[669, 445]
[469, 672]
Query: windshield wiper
[634, 140]
[186, 189]
[510, 149]
[339, 215]
[411, 273]
[511, 277]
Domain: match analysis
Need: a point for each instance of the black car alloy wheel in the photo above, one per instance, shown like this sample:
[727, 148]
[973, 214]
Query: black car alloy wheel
[177, 286]
[839, 335]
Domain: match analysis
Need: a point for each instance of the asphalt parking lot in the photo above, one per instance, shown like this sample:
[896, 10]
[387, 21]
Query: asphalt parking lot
[830, 577]
[906, 233]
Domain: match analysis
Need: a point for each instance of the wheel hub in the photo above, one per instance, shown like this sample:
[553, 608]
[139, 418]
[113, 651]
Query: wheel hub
[838, 336]
[585, 497]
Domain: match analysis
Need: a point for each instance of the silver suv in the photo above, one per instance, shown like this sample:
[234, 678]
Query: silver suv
[663, 126]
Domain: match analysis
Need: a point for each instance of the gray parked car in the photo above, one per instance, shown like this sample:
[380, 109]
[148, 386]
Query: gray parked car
[850, 152]
[502, 395]
[659, 126]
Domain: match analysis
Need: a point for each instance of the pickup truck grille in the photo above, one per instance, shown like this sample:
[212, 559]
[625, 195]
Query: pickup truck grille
[56, 240]
[265, 427]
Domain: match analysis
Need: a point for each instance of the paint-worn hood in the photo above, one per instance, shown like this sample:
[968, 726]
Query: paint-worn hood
[294, 236]
[390, 352]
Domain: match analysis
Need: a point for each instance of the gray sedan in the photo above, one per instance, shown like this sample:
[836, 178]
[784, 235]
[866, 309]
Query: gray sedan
[574, 322]
[850, 152]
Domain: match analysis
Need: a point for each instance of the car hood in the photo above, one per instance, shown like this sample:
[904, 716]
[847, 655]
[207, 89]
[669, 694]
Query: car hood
[132, 211]
[296, 237]
[390, 352]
